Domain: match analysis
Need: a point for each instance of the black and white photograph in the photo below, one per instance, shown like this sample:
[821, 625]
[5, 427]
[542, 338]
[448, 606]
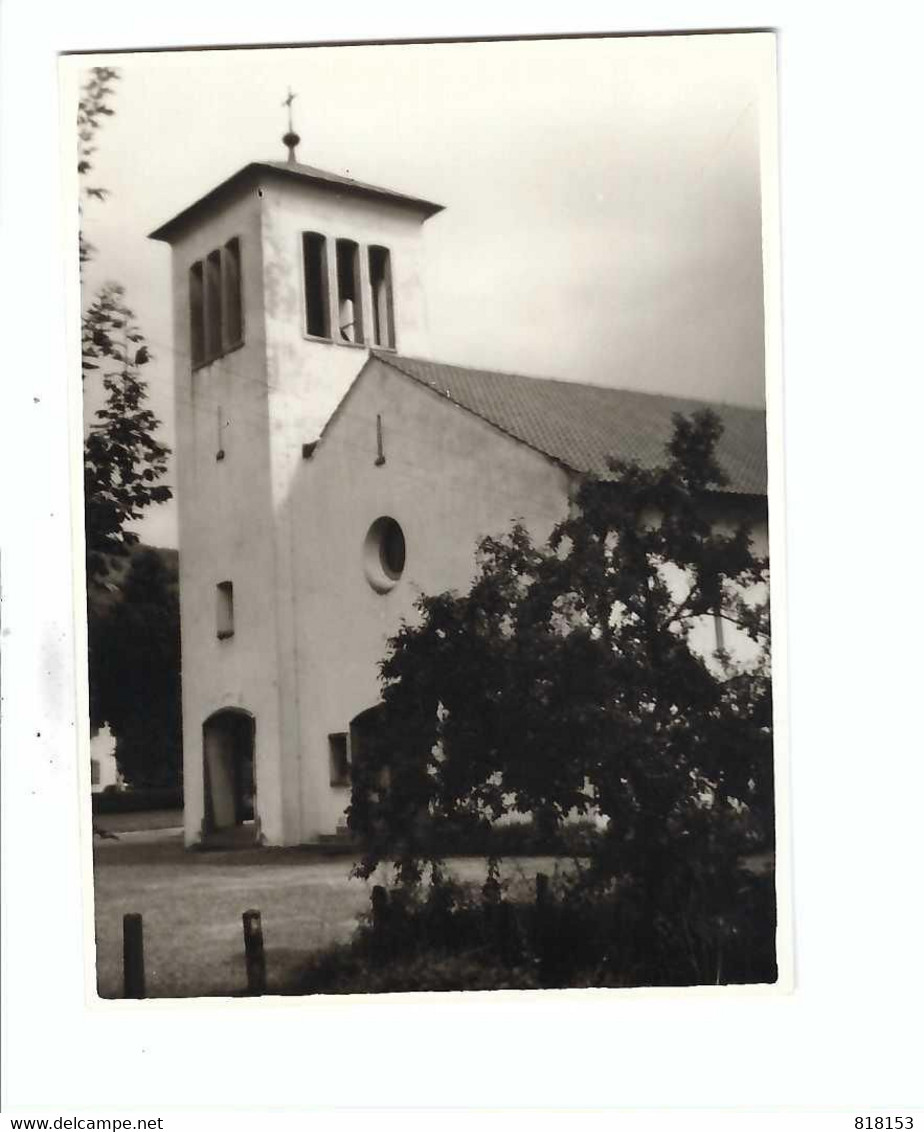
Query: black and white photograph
[459, 650]
[427, 516]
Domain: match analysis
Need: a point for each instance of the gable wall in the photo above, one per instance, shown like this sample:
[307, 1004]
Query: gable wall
[449, 479]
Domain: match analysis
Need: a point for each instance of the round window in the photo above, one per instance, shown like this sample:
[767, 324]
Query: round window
[384, 554]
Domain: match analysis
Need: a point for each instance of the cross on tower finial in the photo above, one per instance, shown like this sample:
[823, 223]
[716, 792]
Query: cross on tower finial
[291, 138]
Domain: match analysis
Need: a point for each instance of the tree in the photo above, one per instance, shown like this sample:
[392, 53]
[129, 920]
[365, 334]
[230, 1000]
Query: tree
[92, 109]
[123, 460]
[133, 635]
[138, 673]
[567, 681]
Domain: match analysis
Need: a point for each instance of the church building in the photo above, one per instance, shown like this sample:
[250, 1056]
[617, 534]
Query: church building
[329, 472]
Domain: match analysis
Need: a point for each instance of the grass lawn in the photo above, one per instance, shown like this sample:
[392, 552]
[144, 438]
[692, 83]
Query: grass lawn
[192, 904]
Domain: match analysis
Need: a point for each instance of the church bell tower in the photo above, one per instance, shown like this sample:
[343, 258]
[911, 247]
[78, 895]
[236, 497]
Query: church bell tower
[284, 277]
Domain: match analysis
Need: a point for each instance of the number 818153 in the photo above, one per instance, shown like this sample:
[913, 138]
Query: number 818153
[884, 1122]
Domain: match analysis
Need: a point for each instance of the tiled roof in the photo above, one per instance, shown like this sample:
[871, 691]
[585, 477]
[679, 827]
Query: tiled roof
[583, 426]
[295, 170]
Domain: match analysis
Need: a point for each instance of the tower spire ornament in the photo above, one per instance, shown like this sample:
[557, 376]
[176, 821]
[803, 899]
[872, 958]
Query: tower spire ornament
[291, 138]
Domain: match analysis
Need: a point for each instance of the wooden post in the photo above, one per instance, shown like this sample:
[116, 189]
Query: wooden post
[133, 955]
[379, 920]
[253, 952]
[543, 934]
[500, 930]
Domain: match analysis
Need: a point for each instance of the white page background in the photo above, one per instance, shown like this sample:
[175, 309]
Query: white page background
[849, 1036]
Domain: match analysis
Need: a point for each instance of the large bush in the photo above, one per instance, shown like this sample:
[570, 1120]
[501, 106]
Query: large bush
[566, 681]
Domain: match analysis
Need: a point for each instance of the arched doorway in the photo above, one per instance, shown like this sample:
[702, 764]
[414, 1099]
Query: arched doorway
[228, 760]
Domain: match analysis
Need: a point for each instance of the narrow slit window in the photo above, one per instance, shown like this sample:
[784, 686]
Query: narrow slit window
[349, 304]
[231, 293]
[216, 311]
[317, 319]
[196, 314]
[339, 759]
[213, 305]
[225, 612]
[383, 312]
[719, 630]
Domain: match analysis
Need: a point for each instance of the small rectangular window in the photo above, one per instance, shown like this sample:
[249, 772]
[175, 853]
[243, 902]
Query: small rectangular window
[196, 314]
[94, 772]
[317, 318]
[231, 293]
[339, 759]
[225, 610]
[349, 302]
[383, 312]
[213, 305]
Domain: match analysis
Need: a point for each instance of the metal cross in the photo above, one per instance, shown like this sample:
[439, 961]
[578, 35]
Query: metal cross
[290, 98]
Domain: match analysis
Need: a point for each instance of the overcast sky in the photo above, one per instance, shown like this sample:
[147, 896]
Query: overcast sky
[602, 196]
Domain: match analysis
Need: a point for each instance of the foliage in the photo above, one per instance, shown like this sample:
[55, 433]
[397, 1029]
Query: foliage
[123, 460]
[133, 644]
[524, 838]
[446, 936]
[92, 108]
[435, 940]
[347, 970]
[137, 686]
[566, 681]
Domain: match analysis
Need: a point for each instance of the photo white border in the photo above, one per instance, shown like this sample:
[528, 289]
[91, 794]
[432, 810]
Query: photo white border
[748, 1051]
[72, 70]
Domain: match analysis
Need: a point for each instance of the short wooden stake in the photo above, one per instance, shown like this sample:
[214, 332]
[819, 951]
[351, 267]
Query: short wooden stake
[133, 955]
[254, 955]
[544, 940]
[379, 921]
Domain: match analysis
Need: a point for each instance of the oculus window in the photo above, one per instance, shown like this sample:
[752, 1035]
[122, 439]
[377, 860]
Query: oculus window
[384, 554]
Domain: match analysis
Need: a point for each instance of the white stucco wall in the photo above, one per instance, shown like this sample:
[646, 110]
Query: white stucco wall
[226, 517]
[449, 478]
[306, 376]
[306, 379]
[260, 403]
